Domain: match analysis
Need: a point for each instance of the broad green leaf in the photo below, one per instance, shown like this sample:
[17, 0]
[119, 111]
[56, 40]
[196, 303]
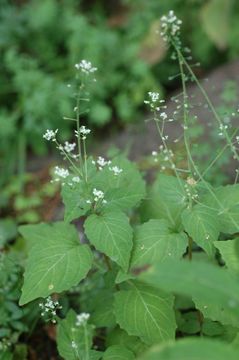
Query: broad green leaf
[192, 349]
[118, 352]
[166, 200]
[120, 337]
[74, 198]
[154, 241]
[146, 312]
[75, 342]
[211, 285]
[225, 203]
[56, 261]
[111, 233]
[216, 312]
[229, 252]
[201, 223]
[124, 190]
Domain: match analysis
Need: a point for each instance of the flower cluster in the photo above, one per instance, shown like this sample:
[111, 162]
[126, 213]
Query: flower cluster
[69, 147]
[99, 195]
[116, 170]
[155, 103]
[85, 67]
[190, 189]
[49, 309]
[170, 26]
[50, 135]
[82, 132]
[82, 318]
[222, 129]
[61, 173]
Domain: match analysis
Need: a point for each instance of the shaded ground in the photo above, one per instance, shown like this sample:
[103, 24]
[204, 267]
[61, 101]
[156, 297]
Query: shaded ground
[142, 138]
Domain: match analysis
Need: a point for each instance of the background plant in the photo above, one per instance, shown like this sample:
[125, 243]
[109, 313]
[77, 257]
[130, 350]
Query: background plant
[141, 278]
[47, 39]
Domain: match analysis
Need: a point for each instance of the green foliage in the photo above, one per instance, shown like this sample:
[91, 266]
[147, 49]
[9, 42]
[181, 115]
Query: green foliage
[111, 234]
[166, 200]
[146, 312]
[192, 349]
[82, 336]
[154, 242]
[121, 271]
[62, 260]
[202, 225]
[117, 352]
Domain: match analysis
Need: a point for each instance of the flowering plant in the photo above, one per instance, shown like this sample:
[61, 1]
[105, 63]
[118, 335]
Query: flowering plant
[134, 269]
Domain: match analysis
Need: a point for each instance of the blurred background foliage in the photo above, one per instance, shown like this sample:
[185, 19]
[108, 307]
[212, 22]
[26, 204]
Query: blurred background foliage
[40, 41]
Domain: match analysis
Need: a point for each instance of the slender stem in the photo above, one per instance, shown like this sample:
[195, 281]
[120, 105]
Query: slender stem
[85, 159]
[68, 158]
[78, 123]
[86, 343]
[222, 128]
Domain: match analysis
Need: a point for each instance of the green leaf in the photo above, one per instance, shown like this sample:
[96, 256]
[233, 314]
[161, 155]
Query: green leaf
[166, 200]
[118, 352]
[74, 198]
[81, 337]
[212, 328]
[102, 310]
[216, 312]
[225, 203]
[213, 286]
[120, 337]
[61, 260]
[229, 252]
[146, 312]
[192, 349]
[154, 241]
[124, 190]
[111, 233]
[202, 225]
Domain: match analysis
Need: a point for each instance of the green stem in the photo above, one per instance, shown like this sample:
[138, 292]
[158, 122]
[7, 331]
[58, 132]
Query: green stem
[224, 131]
[85, 159]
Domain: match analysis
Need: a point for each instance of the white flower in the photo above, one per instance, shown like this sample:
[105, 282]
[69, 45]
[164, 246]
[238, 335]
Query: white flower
[49, 308]
[154, 153]
[83, 132]
[50, 135]
[61, 172]
[69, 147]
[163, 115]
[170, 25]
[101, 161]
[116, 170]
[82, 318]
[76, 179]
[98, 194]
[73, 345]
[85, 67]
[153, 100]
